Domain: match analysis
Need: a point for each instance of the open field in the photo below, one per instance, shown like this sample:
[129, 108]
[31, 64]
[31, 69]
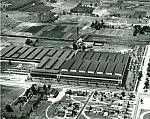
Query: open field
[15, 67]
[114, 32]
[7, 22]
[9, 94]
[37, 7]
[146, 116]
[16, 4]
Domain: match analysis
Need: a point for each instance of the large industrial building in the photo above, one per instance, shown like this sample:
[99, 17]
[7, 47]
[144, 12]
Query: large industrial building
[69, 65]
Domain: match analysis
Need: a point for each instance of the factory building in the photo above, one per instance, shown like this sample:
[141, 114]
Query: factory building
[69, 65]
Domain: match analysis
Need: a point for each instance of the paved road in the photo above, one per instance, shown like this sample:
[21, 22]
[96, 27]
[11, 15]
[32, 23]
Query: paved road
[78, 116]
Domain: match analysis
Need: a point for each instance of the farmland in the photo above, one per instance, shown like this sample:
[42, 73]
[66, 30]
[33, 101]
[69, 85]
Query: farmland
[34, 29]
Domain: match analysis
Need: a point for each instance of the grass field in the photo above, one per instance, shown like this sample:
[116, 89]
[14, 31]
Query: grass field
[52, 111]
[7, 22]
[146, 116]
[114, 32]
[9, 94]
[40, 111]
[58, 32]
[5, 65]
[23, 66]
[82, 117]
[80, 98]
[36, 8]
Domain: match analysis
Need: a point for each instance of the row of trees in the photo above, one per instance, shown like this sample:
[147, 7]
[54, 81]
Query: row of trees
[98, 25]
[82, 9]
[140, 30]
[34, 89]
[48, 17]
[146, 84]
[148, 70]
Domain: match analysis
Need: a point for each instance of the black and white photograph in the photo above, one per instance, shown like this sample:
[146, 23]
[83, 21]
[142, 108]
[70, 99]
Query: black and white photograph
[75, 59]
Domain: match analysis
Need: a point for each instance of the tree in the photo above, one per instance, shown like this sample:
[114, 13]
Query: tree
[53, 1]
[27, 92]
[33, 88]
[140, 74]
[139, 16]
[28, 41]
[90, 108]
[135, 33]
[9, 62]
[8, 108]
[120, 97]
[44, 87]
[115, 95]
[64, 12]
[123, 93]
[49, 86]
[74, 112]
[146, 84]
[95, 93]
[96, 4]
[83, 47]
[93, 25]
[148, 64]
[148, 74]
[74, 46]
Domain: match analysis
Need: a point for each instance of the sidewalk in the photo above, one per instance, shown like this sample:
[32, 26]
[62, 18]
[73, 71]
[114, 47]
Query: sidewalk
[144, 69]
[59, 97]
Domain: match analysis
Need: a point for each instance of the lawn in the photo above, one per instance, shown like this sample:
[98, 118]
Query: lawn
[80, 98]
[40, 111]
[146, 116]
[6, 65]
[9, 94]
[7, 22]
[15, 66]
[52, 111]
[139, 13]
[95, 115]
[66, 104]
[82, 117]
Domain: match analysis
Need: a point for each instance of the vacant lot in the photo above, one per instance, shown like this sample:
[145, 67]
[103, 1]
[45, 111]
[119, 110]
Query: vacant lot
[9, 94]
